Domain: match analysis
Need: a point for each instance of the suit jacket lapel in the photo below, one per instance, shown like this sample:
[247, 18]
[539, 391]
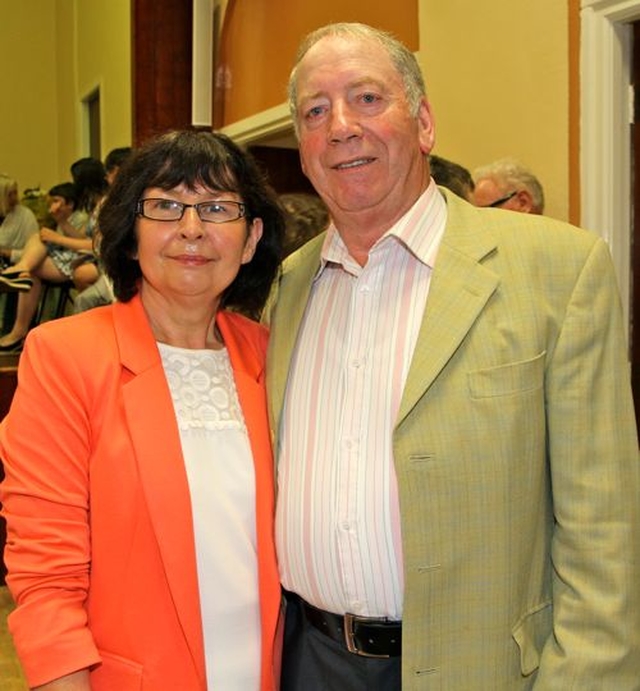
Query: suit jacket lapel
[156, 442]
[460, 287]
[288, 307]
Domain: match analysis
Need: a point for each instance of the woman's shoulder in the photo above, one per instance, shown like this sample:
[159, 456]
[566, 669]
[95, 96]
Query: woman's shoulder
[76, 334]
[242, 328]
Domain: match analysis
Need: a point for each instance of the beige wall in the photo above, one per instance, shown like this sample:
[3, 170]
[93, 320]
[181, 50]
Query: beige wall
[498, 85]
[497, 74]
[29, 104]
[54, 53]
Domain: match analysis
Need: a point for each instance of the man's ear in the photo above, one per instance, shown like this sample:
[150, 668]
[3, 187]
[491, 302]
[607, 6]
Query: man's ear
[524, 201]
[426, 125]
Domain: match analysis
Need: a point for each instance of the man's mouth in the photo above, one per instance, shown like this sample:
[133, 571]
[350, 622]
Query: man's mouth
[354, 164]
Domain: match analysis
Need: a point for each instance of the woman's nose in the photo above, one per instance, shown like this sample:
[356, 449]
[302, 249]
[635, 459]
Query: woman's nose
[190, 224]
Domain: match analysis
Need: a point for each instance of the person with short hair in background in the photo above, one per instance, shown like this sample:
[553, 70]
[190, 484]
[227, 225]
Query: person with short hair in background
[507, 184]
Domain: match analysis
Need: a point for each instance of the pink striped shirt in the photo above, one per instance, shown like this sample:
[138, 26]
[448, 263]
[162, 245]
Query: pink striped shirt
[337, 521]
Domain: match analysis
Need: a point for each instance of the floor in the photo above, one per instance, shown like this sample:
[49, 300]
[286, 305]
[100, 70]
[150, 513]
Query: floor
[11, 678]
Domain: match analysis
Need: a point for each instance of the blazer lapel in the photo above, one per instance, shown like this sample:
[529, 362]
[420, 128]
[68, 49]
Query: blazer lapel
[287, 305]
[459, 290]
[157, 447]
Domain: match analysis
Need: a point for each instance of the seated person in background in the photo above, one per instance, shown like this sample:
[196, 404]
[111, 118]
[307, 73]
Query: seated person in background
[114, 161]
[453, 176]
[507, 184]
[17, 222]
[100, 292]
[48, 255]
[306, 216]
[90, 178]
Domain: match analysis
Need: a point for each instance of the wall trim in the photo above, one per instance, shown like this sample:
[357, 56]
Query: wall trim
[605, 59]
[266, 124]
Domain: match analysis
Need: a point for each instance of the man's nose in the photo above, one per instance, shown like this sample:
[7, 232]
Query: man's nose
[343, 122]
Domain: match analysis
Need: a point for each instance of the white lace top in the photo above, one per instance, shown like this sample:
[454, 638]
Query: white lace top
[221, 478]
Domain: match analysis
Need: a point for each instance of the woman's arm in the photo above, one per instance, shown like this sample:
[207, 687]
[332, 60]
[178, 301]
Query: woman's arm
[82, 244]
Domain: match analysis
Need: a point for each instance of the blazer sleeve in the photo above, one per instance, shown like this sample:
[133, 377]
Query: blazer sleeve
[595, 478]
[45, 444]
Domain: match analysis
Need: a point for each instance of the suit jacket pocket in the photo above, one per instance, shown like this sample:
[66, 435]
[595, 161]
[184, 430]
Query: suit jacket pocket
[116, 672]
[509, 379]
[530, 633]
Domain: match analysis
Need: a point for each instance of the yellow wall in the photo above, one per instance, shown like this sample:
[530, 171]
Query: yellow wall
[54, 53]
[104, 60]
[497, 75]
[29, 102]
[497, 72]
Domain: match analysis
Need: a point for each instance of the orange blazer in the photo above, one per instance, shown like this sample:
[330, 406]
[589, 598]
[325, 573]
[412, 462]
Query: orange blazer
[100, 546]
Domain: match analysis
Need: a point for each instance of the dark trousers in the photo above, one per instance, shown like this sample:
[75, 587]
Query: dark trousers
[314, 662]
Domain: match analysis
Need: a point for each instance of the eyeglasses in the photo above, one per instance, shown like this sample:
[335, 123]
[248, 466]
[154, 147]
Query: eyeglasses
[219, 211]
[502, 200]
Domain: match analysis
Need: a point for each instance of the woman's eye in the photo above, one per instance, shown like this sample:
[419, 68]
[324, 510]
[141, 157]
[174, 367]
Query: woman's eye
[166, 204]
[213, 208]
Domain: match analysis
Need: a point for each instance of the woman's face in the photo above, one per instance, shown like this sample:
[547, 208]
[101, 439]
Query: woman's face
[12, 198]
[190, 257]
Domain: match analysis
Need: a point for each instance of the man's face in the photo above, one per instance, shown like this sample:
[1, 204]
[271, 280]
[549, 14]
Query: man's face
[489, 193]
[360, 145]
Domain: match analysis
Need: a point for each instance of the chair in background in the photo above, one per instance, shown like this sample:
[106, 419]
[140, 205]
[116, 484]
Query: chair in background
[54, 300]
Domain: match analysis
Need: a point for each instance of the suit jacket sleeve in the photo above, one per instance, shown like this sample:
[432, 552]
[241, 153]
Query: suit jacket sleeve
[45, 448]
[595, 478]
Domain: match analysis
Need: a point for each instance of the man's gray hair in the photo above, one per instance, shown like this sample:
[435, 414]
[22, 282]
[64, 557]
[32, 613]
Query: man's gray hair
[511, 175]
[402, 58]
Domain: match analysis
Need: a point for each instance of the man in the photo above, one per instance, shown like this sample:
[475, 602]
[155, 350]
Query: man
[458, 476]
[507, 184]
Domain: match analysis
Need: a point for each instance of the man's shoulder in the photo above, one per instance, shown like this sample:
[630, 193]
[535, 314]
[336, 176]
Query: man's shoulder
[513, 228]
[306, 257]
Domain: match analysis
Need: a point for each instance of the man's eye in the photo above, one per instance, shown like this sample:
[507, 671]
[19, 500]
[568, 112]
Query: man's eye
[369, 98]
[315, 112]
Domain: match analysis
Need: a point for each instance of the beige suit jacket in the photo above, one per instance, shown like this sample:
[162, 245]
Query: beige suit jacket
[516, 456]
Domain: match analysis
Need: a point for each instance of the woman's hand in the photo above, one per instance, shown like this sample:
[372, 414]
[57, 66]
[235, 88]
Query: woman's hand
[49, 236]
[77, 681]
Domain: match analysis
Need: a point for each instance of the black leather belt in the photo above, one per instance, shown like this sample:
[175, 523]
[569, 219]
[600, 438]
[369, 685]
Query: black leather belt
[366, 636]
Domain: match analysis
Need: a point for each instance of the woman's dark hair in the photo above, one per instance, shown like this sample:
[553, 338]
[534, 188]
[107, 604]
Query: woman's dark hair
[89, 178]
[68, 192]
[192, 158]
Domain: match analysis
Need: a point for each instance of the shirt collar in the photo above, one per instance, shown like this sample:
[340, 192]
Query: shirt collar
[419, 230]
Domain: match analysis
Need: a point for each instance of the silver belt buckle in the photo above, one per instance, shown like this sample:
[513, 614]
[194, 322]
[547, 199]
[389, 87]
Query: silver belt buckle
[349, 621]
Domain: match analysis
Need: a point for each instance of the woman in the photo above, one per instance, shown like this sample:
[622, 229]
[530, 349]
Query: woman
[140, 504]
[17, 222]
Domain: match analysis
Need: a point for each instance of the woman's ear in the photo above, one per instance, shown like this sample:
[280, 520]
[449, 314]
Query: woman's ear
[253, 238]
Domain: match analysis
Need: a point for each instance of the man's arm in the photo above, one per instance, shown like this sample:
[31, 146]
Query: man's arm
[595, 476]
